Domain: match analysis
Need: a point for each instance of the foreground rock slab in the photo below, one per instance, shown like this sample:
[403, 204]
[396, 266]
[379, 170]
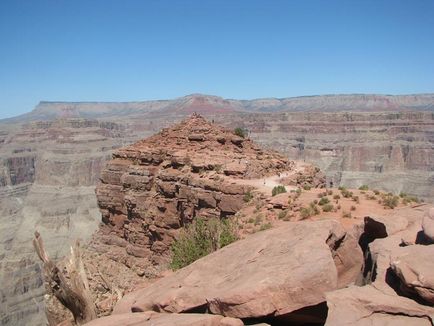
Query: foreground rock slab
[156, 319]
[414, 267]
[271, 273]
[363, 306]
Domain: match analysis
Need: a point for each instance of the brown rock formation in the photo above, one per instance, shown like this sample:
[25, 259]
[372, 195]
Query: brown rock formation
[271, 273]
[152, 188]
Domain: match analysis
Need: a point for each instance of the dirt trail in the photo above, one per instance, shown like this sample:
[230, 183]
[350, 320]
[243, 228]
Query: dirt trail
[266, 185]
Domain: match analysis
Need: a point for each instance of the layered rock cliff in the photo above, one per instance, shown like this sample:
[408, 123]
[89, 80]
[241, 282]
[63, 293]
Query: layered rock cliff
[152, 188]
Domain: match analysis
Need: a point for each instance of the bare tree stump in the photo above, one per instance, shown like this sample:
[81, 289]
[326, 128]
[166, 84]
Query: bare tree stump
[70, 287]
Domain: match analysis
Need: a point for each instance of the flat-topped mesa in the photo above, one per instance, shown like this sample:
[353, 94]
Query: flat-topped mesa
[152, 188]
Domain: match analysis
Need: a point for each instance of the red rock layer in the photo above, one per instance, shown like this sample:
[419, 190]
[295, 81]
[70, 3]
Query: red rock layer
[152, 188]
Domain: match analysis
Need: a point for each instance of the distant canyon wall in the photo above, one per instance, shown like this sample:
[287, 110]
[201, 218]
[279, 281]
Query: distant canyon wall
[393, 152]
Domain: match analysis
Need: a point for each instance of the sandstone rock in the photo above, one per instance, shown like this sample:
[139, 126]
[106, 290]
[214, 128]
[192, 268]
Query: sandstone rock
[414, 267]
[155, 319]
[363, 306]
[428, 225]
[274, 272]
[153, 187]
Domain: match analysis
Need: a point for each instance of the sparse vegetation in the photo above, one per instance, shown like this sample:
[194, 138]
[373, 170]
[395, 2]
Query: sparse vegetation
[258, 219]
[327, 208]
[278, 190]
[265, 226]
[346, 214]
[311, 210]
[346, 193]
[364, 187]
[248, 196]
[282, 214]
[390, 201]
[240, 132]
[336, 197]
[356, 199]
[200, 238]
[307, 187]
[323, 201]
[353, 208]
[376, 192]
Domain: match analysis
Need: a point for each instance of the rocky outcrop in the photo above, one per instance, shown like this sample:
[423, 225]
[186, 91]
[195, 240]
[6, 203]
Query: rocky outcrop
[272, 273]
[397, 287]
[362, 306]
[152, 188]
[413, 266]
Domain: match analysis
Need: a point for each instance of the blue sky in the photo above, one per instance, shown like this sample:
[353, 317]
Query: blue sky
[105, 50]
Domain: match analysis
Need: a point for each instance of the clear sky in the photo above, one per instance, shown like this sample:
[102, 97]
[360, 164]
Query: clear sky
[106, 50]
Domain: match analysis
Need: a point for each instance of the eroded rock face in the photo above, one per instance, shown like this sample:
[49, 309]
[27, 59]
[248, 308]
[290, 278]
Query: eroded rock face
[363, 306]
[414, 267]
[271, 273]
[152, 188]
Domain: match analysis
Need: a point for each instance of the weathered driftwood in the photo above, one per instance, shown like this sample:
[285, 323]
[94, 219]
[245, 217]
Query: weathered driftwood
[70, 286]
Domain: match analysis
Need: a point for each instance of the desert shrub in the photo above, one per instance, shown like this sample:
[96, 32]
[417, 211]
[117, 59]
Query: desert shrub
[282, 214]
[265, 226]
[356, 199]
[338, 207]
[407, 199]
[322, 194]
[327, 208]
[376, 192]
[315, 202]
[314, 208]
[371, 197]
[200, 238]
[218, 168]
[346, 193]
[240, 132]
[364, 187]
[390, 201]
[278, 190]
[402, 194]
[307, 187]
[346, 214]
[251, 220]
[337, 197]
[305, 212]
[248, 196]
[353, 208]
[342, 188]
[323, 201]
[329, 192]
[258, 219]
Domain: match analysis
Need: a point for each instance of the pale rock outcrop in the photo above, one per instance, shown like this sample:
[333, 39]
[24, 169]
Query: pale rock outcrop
[274, 272]
[428, 225]
[367, 306]
[414, 266]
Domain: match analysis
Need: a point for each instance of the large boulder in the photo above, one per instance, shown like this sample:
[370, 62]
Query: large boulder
[156, 319]
[367, 306]
[274, 272]
[428, 225]
[414, 267]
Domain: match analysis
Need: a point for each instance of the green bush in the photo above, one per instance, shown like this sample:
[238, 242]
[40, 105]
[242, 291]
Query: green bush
[200, 238]
[248, 196]
[282, 214]
[240, 132]
[327, 208]
[364, 187]
[346, 193]
[307, 187]
[323, 201]
[390, 201]
[265, 226]
[278, 190]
